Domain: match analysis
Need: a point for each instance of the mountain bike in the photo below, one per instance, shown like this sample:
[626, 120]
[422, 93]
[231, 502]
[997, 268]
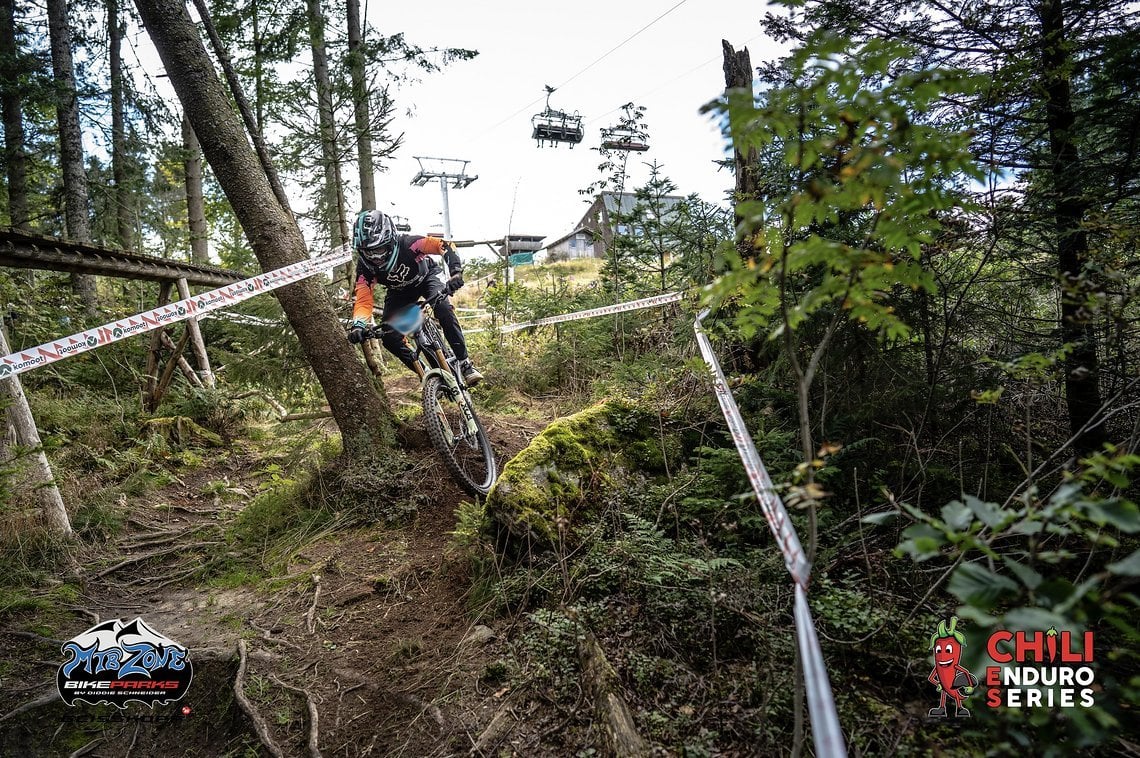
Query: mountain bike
[452, 424]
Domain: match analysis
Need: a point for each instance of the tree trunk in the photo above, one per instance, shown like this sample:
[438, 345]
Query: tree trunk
[363, 414]
[15, 154]
[330, 154]
[20, 416]
[330, 159]
[611, 714]
[197, 344]
[253, 128]
[70, 144]
[1082, 371]
[738, 75]
[258, 70]
[360, 107]
[122, 197]
[195, 202]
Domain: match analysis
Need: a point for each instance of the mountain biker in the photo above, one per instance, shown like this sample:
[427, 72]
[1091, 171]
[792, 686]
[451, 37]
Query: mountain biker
[402, 263]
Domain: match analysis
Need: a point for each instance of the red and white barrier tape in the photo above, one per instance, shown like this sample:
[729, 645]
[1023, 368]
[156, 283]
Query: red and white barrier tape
[140, 323]
[825, 731]
[770, 504]
[827, 736]
[606, 310]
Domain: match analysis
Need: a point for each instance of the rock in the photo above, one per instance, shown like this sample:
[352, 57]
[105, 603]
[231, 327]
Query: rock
[559, 481]
[480, 635]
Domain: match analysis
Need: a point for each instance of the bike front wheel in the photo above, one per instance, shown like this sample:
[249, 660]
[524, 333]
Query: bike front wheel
[459, 438]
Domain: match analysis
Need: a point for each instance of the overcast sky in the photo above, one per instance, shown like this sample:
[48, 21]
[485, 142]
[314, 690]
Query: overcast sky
[481, 110]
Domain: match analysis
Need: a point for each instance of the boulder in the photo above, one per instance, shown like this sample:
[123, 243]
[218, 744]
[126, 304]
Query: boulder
[562, 479]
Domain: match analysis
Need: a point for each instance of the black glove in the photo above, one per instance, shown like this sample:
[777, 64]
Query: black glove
[357, 334]
[454, 283]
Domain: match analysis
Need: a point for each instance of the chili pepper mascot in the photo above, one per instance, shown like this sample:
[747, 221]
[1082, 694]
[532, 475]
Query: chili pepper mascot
[949, 677]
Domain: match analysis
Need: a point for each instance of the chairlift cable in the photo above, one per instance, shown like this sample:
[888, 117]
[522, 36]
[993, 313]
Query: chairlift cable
[588, 66]
[621, 44]
[663, 85]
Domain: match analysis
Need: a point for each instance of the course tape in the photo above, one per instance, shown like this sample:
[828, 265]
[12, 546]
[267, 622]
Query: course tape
[825, 731]
[770, 504]
[826, 734]
[140, 323]
[605, 310]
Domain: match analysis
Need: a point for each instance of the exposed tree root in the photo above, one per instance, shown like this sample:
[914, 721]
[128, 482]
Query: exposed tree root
[86, 748]
[48, 697]
[145, 557]
[311, 617]
[161, 538]
[314, 727]
[37, 637]
[502, 723]
[170, 578]
[134, 739]
[248, 707]
[267, 636]
[95, 618]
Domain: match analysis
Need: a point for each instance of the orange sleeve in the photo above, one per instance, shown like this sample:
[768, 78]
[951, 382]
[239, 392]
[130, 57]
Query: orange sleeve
[362, 307]
[432, 245]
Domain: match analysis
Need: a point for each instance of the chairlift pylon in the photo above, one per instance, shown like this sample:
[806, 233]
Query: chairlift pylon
[556, 126]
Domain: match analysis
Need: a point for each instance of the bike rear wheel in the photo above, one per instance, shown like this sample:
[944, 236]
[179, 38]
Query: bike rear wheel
[468, 456]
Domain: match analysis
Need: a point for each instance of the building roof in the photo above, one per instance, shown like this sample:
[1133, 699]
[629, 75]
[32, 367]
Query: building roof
[628, 200]
[577, 230]
[614, 202]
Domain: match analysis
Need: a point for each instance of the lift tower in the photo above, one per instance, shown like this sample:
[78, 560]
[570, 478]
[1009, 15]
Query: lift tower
[447, 170]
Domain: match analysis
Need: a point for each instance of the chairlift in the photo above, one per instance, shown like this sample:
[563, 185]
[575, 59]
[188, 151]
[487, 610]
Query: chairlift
[624, 138]
[556, 126]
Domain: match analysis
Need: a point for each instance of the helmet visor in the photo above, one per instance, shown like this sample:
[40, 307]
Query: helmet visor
[378, 256]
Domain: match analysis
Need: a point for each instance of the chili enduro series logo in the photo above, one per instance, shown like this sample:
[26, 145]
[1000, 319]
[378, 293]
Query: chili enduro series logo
[949, 677]
[118, 662]
[1045, 669]
[1027, 669]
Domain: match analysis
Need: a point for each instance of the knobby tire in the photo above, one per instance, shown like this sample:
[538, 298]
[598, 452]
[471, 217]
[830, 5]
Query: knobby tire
[474, 468]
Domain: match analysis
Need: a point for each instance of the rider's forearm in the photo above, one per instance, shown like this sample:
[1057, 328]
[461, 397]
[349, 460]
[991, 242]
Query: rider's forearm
[362, 307]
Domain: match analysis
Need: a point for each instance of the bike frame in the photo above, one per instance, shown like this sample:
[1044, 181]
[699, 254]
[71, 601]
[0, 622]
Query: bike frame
[450, 376]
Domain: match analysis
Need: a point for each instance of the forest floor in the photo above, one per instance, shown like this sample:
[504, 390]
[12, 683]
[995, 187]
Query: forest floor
[363, 641]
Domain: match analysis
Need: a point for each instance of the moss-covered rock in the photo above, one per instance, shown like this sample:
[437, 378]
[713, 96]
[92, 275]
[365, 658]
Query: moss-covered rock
[557, 482]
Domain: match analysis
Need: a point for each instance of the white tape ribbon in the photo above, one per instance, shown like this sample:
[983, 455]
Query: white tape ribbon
[770, 504]
[825, 731]
[826, 735]
[606, 310]
[140, 323]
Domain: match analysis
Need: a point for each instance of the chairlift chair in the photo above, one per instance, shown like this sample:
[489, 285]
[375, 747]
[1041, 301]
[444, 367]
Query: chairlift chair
[622, 138]
[556, 126]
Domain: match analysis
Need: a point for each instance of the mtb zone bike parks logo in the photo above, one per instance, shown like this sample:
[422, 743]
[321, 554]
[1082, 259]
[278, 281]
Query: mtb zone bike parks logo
[118, 662]
[1026, 669]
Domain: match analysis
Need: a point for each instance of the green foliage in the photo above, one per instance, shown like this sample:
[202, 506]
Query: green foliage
[212, 409]
[845, 609]
[868, 180]
[1047, 561]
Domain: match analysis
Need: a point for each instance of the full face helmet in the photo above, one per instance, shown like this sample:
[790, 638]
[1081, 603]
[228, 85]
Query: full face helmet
[375, 237]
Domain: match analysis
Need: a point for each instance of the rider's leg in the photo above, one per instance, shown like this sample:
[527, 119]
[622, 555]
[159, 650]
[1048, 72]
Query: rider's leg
[445, 315]
[394, 301]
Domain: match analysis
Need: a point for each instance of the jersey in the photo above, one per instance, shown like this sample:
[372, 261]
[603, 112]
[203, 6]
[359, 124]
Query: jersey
[412, 264]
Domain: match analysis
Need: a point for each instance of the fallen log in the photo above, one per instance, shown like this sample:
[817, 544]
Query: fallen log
[610, 710]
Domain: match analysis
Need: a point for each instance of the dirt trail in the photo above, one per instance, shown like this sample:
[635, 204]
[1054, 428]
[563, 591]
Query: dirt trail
[370, 627]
